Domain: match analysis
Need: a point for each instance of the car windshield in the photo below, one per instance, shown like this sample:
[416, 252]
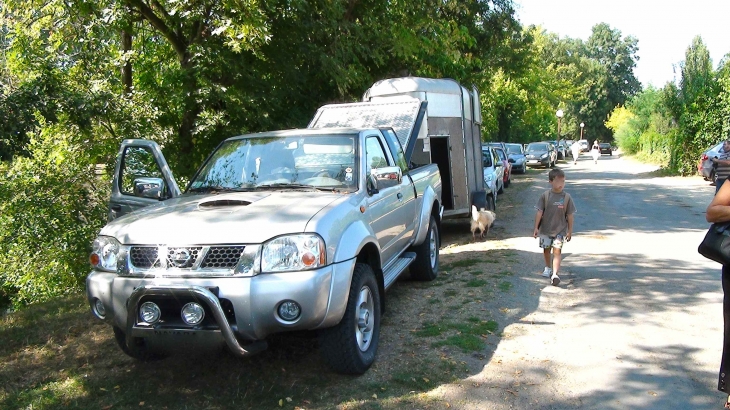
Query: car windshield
[537, 147]
[500, 152]
[514, 148]
[486, 159]
[286, 162]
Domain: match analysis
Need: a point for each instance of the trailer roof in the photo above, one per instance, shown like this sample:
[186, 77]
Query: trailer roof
[414, 84]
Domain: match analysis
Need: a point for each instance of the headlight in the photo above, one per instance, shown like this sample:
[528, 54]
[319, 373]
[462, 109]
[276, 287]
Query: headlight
[104, 253]
[543, 155]
[488, 177]
[292, 253]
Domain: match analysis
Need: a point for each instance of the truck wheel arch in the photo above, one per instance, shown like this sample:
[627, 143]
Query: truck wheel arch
[370, 255]
[430, 206]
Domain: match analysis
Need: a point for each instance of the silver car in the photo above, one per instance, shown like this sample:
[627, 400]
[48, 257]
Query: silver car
[705, 166]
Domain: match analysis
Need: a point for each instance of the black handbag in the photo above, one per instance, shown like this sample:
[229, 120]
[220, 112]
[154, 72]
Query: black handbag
[716, 245]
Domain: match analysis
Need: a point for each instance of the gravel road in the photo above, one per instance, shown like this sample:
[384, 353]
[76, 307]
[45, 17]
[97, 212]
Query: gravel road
[636, 322]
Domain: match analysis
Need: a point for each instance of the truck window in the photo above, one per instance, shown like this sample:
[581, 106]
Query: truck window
[137, 162]
[396, 149]
[375, 155]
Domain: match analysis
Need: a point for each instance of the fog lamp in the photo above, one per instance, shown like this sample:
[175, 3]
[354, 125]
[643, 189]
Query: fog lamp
[193, 313]
[289, 310]
[99, 309]
[149, 312]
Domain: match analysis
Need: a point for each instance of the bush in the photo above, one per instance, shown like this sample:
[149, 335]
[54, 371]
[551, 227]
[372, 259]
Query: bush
[51, 207]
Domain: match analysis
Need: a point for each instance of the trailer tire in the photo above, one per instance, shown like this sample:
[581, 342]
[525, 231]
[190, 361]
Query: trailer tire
[426, 266]
[350, 346]
[491, 205]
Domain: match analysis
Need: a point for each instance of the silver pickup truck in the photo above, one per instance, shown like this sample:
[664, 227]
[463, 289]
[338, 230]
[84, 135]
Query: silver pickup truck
[279, 231]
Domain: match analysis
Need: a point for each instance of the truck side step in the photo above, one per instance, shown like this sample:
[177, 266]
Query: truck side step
[397, 267]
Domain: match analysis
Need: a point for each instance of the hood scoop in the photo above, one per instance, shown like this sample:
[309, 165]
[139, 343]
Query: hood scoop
[222, 203]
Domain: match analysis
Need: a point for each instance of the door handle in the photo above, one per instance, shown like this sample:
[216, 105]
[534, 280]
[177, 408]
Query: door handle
[400, 196]
[117, 208]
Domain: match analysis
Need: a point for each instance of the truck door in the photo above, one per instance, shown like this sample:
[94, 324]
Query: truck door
[407, 189]
[141, 177]
[386, 206]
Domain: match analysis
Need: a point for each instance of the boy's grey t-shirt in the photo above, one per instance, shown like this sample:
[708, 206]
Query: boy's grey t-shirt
[554, 214]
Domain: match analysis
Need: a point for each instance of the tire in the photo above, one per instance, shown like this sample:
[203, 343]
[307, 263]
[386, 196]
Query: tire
[350, 346]
[138, 350]
[491, 203]
[426, 266]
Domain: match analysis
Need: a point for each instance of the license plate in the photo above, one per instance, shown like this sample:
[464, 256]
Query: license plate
[534, 161]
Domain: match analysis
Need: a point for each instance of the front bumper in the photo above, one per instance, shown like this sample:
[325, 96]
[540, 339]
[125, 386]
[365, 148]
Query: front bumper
[241, 310]
[543, 162]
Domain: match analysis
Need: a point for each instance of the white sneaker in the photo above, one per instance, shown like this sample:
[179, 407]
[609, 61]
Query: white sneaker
[555, 279]
[547, 272]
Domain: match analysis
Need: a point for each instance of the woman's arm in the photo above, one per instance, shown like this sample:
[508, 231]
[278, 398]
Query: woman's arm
[719, 208]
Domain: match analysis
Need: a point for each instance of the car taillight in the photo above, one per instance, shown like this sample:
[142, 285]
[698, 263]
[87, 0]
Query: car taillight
[704, 157]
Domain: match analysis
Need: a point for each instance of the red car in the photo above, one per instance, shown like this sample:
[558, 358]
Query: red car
[507, 166]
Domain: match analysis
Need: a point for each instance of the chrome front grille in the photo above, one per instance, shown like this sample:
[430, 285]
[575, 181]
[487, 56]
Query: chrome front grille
[222, 257]
[184, 259]
[144, 257]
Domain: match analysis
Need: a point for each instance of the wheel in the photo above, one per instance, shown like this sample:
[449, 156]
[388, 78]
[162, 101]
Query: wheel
[501, 187]
[138, 350]
[350, 346]
[491, 203]
[426, 266]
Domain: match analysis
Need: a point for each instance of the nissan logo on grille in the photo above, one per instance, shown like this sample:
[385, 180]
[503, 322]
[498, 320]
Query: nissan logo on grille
[180, 258]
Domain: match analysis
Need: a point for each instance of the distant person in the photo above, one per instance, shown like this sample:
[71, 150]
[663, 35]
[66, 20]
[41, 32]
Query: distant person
[595, 151]
[554, 223]
[719, 211]
[575, 149]
[722, 165]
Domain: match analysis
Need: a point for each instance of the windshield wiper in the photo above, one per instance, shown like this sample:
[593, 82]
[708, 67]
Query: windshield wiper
[280, 185]
[217, 189]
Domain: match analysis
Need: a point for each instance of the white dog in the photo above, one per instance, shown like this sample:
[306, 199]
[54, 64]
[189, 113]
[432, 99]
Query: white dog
[481, 220]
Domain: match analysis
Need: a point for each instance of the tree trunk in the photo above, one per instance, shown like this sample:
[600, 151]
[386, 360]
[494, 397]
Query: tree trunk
[127, 67]
[191, 110]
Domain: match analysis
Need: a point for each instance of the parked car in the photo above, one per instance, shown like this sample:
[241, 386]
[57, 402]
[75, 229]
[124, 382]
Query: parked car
[507, 177]
[516, 154]
[560, 149]
[499, 165]
[493, 173]
[584, 146]
[540, 154]
[605, 148]
[704, 167]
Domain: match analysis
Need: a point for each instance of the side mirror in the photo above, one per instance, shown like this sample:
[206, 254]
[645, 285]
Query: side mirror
[152, 188]
[371, 184]
[387, 177]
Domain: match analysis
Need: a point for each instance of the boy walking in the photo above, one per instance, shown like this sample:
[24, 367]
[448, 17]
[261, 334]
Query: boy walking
[554, 223]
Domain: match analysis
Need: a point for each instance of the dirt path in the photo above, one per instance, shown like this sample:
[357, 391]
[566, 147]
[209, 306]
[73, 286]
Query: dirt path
[636, 322]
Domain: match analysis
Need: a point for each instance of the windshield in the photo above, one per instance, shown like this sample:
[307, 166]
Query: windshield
[486, 159]
[500, 152]
[537, 147]
[514, 148]
[313, 161]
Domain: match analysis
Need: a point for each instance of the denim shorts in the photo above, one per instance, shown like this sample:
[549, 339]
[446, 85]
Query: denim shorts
[547, 242]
